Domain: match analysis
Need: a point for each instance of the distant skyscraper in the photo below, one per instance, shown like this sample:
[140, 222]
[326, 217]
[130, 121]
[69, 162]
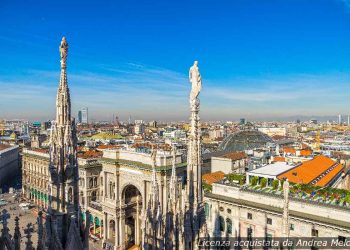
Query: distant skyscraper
[79, 116]
[339, 119]
[348, 119]
[242, 121]
[83, 116]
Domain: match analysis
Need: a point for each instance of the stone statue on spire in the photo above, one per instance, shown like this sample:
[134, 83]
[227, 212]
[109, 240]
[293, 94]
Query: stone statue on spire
[63, 51]
[196, 81]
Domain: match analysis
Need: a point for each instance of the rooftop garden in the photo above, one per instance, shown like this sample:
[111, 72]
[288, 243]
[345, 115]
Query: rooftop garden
[326, 195]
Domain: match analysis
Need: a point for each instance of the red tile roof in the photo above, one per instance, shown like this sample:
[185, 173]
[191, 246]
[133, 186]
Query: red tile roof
[305, 152]
[289, 150]
[210, 178]
[279, 158]
[310, 170]
[90, 154]
[108, 146]
[235, 156]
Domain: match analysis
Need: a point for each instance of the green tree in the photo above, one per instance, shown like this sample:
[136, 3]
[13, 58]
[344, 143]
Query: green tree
[275, 184]
[347, 198]
[254, 181]
[263, 182]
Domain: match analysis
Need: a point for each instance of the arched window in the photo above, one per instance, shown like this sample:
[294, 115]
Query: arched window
[228, 226]
[93, 195]
[95, 181]
[221, 224]
[111, 233]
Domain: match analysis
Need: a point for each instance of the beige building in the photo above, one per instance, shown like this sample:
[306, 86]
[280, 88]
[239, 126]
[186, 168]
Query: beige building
[234, 162]
[238, 211]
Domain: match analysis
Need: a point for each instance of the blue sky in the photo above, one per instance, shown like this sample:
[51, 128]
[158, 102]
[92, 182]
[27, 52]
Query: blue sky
[258, 59]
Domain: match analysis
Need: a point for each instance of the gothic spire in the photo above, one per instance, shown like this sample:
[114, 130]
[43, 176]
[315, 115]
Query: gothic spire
[63, 114]
[62, 218]
[194, 213]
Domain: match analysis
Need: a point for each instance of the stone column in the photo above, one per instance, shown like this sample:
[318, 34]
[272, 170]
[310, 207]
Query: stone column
[117, 187]
[137, 226]
[101, 228]
[116, 237]
[104, 186]
[122, 229]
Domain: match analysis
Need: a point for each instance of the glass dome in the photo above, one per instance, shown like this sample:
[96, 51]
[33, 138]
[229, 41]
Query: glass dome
[244, 140]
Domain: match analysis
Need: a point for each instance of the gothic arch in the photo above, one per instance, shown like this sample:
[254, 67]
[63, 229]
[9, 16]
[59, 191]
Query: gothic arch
[132, 199]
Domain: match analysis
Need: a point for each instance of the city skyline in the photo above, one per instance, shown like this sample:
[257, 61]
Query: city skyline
[268, 60]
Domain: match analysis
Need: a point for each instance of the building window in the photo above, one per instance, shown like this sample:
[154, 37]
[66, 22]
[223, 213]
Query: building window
[93, 196]
[111, 190]
[341, 238]
[314, 233]
[250, 216]
[228, 226]
[249, 233]
[95, 181]
[221, 224]
[269, 221]
[291, 228]
[221, 209]
[228, 211]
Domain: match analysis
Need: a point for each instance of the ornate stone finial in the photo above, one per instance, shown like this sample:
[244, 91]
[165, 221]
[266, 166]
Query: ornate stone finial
[17, 235]
[40, 230]
[5, 230]
[196, 81]
[28, 231]
[63, 52]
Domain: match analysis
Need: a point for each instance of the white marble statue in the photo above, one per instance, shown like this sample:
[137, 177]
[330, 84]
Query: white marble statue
[63, 51]
[196, 81]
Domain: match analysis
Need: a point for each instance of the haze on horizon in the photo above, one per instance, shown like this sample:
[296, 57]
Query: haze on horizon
[266, 60]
